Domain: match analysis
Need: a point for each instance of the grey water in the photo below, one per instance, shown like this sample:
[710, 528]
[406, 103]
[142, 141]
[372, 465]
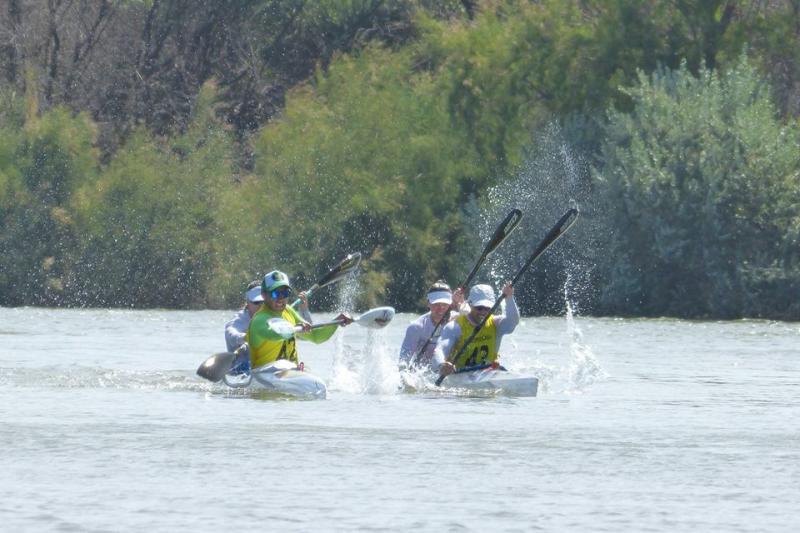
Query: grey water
[639, 425]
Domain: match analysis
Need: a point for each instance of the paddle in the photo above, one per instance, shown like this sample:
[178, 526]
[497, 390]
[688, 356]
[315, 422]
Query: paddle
[345, 266]
[552, 236]
[500, 234]
[373, 319]
[215, 367]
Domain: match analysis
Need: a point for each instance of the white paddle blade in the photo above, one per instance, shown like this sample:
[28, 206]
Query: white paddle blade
[283, 328]
[376, 318]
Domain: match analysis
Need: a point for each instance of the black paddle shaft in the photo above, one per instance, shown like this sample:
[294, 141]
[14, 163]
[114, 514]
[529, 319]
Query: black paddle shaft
[500, 234]
[552, 236]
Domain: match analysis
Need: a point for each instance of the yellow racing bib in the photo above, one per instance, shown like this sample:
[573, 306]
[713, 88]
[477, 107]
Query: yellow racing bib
[482, 349]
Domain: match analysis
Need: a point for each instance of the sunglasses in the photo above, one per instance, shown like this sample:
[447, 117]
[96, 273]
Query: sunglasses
[280, 293]
[481, 308]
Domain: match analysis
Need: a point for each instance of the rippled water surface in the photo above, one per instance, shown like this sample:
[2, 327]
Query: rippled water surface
[640, 425]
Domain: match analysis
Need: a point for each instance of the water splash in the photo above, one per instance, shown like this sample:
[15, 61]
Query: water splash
[370, 368]
[554, 178]
[346, 364]
[582, 369]
[380, 375]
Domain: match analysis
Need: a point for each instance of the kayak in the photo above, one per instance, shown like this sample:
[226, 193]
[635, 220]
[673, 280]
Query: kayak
[281, 376]
[492, 379]
[480, 379]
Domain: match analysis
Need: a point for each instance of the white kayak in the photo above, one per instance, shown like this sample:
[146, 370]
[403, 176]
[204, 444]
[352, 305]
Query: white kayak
[493, 379]
[283, 377]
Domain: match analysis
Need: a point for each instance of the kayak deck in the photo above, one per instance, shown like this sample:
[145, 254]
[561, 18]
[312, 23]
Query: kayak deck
[494, 379]
[282, 377]
[482, 379]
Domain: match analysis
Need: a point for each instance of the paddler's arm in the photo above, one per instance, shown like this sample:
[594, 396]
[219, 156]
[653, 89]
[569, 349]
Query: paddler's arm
[459, 305]
[411, 344]
[305, 314]
[508, 322]
[320, 335]
[450, 335]
[235, 332]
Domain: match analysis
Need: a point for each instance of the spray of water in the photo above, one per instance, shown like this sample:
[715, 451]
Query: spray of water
[365, 367]
[345, 364]
[553, 179]
[583, 369]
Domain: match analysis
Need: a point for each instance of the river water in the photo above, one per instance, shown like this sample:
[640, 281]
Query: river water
[640, 425]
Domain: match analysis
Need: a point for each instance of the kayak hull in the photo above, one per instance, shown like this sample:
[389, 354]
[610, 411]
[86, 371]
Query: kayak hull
[282, 377]
[494, 380]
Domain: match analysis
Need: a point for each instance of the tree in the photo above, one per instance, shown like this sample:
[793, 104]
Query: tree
[41, 165]
[703, 178]
[148, 224]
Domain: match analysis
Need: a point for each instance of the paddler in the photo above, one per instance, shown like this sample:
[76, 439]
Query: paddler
[266, 345]
[421, 335]
[483, 348]
[236, 328]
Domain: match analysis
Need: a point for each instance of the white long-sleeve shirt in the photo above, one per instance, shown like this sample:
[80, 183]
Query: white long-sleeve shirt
[419, 331]
[236, 329]
[504, 324]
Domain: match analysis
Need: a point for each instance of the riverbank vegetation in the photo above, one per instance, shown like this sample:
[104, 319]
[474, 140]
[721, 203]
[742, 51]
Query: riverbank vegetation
[164, 153]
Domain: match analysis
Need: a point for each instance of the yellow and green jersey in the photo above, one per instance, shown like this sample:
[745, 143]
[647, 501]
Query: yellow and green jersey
[267, 346]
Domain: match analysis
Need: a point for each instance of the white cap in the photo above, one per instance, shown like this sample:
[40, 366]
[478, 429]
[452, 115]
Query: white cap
[254, 295]
[481, 296]
[440, 297]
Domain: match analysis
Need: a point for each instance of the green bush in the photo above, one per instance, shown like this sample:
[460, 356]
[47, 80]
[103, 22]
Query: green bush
[149, 228]
[41, 164]
[701, 180]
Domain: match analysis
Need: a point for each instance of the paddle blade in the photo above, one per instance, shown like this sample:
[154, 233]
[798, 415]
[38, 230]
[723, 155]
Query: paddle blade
[375, 318]
[561, 227]
[500, 234]
[503, 230]
[215, 367]
[345, 266]
[563, 224]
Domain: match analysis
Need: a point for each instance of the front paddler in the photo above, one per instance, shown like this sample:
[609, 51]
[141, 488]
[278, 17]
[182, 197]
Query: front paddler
[483, 348]
[266, 346]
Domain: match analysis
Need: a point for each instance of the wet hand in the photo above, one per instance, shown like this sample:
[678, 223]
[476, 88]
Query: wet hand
[508, 290]
[446, 369]
[458, 299]
[303, 300]
[345, 319]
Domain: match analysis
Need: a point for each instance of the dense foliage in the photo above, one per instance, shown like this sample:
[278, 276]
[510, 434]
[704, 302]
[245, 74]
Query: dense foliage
[166, 152]
[703, 186]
